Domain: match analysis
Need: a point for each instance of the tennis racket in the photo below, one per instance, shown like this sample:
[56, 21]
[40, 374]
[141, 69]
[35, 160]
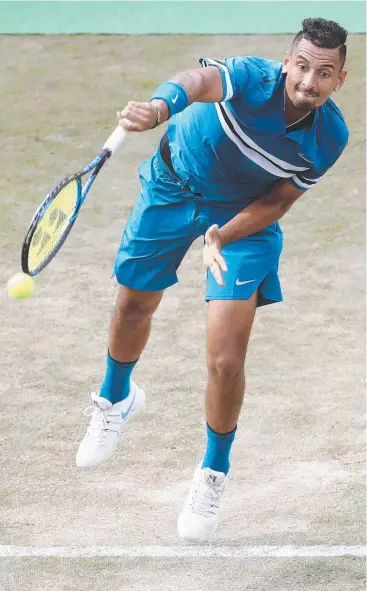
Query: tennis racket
[54, 218]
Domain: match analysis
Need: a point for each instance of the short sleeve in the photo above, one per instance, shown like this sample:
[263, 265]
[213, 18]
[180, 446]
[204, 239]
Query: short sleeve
[310, 178]
[306, 181]
[234, 72]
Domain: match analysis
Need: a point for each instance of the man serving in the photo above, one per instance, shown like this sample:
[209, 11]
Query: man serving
[246, 137]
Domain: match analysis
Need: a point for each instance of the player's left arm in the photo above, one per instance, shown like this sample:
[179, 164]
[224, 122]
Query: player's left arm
[261, 213]
[272, 206]
[258, 215]
[266, 210]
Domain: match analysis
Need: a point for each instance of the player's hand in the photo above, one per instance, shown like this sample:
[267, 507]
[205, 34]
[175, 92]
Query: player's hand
[212, 256]
[137, 116]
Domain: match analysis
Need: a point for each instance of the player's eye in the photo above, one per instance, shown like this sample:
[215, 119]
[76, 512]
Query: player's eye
[302, 67]
[324, 74]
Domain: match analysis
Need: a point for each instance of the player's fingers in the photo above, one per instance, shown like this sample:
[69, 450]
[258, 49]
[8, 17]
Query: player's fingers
[129, 114]
[127, 124]
[221, 262]
[121, 114]
[217, 273]
[124, 122]
[143, 107]
[211, 234]
[139, 109]
[140, 112]
[141, 119]
[130, 125]
[208, 255]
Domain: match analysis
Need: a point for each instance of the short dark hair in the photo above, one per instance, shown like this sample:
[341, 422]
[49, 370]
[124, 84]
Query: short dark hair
[323, 33]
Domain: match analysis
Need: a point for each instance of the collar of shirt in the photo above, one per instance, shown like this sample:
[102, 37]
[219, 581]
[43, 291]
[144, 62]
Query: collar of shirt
[300, 136]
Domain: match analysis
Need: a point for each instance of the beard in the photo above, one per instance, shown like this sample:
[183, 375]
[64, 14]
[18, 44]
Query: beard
[303, 106]
[303, 102]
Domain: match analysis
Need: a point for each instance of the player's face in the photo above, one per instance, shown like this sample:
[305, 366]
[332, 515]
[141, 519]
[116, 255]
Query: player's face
[313, 73]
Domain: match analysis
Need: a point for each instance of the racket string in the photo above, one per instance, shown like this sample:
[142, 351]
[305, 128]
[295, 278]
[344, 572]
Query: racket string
[53, 225]
[56, 215]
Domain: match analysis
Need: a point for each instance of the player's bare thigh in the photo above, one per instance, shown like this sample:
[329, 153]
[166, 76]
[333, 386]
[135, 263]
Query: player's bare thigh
[229, 324]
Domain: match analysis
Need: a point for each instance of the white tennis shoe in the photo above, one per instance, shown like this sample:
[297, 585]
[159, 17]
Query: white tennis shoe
[106, 425]
[199, 516]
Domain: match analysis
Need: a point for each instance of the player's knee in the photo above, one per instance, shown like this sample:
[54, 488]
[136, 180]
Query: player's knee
[225, 366]
[135, 306]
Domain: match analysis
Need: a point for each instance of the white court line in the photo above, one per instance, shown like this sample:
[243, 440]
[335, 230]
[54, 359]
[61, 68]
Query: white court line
[182, 551]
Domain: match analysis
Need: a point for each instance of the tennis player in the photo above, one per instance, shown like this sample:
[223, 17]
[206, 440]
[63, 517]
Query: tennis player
[247, 136]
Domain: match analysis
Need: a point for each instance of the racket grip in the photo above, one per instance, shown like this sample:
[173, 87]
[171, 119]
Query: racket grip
[115, 140]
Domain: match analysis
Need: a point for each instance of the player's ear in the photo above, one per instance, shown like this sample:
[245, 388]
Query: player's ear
[341, 79]
[287, 56]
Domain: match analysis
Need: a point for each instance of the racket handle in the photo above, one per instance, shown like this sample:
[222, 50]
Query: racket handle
[115, 140]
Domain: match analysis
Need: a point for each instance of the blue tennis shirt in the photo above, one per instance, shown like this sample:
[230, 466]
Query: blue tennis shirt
[235, 151]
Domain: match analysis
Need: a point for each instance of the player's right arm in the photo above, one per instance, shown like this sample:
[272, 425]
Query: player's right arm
[204, 85]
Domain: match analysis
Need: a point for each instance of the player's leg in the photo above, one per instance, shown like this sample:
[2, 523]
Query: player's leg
[129, 332]
[229, 324]
[131, 322]
[158, 233]
[251, 280]
[119, 399]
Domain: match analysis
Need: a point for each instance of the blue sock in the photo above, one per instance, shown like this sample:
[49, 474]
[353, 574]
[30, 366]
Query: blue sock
[218, 448]
[116, 385]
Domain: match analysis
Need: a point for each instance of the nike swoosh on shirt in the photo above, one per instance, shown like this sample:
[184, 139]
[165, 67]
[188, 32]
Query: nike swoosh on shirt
[238, 282]
[304, 157]
[125, 414]
[174, 100]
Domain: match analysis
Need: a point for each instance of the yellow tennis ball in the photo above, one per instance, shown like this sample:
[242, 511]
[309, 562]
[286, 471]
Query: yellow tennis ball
[21, 286]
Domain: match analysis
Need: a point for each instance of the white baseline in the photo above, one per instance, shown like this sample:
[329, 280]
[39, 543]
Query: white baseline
[182, 551]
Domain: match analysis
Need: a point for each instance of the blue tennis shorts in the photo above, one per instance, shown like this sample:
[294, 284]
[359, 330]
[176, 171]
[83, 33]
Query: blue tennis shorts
[165, 221]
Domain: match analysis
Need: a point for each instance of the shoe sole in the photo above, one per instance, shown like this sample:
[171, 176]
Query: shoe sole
[198, 540]
[193, 539]
[104, 459]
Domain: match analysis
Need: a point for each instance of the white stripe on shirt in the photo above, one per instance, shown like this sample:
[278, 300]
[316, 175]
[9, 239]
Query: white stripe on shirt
[249, 152]
[299, 184]
[253, 145]
[229, 90]
[301, 181]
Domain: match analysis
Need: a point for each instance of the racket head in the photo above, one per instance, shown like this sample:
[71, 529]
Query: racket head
[51, 225]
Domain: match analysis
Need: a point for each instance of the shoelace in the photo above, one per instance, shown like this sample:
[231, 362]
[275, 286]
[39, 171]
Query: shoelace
[103, 420]
[206, 500]
[99, 420]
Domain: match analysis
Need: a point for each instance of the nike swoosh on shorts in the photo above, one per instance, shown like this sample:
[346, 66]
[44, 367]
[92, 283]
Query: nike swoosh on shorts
[238, 282]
